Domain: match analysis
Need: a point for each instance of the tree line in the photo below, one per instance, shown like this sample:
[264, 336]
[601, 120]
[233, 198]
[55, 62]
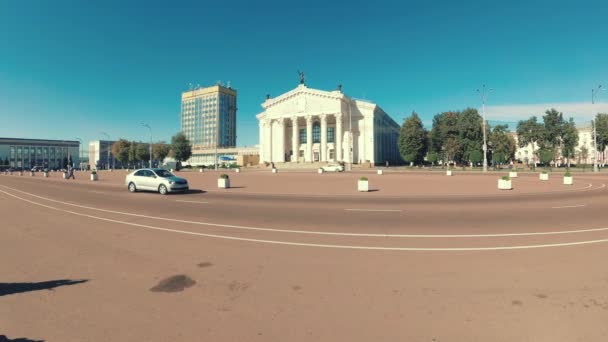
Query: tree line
[132, 153]
[457, 137]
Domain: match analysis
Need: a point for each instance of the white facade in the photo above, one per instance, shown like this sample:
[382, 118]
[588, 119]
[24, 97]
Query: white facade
[310, 125]
[585, 142]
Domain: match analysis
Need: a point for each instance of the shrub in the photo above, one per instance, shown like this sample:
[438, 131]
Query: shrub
[224, 176]
[544, 172]
[94, 172]
[506, 178]
[363, 179]
[567, 174]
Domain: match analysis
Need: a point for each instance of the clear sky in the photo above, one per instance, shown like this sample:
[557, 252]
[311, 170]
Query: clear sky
[74, 68]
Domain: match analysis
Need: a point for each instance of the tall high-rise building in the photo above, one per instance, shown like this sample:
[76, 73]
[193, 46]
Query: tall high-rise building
[209, 116]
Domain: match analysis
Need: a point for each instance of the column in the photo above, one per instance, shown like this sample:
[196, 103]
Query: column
[281, 140]
[308, 156]
[338, 137]
[261, 139]
[295, 137]
[268, 136]
[323, 156]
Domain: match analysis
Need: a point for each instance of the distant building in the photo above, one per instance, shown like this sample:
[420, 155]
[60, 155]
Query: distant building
[27, 153]
[102, 158]
[584, 152]
[100, 155]
[243, 156]
[310, 125]
[208, 116]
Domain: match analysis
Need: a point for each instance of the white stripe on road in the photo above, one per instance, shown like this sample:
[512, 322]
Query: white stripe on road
[313, 232]
[288, 243]
[397, 210]
[569, 206]
[191, 201]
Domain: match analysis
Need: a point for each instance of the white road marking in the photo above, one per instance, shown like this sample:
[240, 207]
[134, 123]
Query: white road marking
[288, 243]
[569, 206]
[397, 210]
[191, 201]
[99, 192]
[314, 232]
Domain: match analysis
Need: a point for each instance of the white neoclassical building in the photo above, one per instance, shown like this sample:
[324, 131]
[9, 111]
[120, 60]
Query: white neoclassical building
[310, 125]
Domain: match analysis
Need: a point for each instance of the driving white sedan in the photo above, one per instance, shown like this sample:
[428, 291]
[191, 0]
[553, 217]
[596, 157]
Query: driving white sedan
[159, 180]
[333, 168]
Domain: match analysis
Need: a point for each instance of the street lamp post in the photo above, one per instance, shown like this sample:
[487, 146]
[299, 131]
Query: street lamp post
[108, 137]
[80, 152]
[150, 128]
[594, 122]
[483, 113]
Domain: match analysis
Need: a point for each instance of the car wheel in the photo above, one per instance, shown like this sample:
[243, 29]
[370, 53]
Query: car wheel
[162, 189]
[132, 187]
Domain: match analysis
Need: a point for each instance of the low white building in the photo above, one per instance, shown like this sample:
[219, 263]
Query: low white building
[310, 125]
[584, 152]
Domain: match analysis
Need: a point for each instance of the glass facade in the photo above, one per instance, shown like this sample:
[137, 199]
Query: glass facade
[25, 153]
[302, 135]
[208, 117]
[331, 132]
[316, 132]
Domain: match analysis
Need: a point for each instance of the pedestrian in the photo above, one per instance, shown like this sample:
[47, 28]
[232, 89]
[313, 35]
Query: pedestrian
[387, 163]
[71, 171]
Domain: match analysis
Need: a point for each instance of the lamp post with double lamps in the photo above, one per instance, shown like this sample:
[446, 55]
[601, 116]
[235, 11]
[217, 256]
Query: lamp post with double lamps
[482, 92]
[109, 147]
[150, 128]
[593, 96]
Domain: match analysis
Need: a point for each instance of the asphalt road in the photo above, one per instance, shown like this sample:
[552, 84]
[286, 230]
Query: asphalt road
[423, 258]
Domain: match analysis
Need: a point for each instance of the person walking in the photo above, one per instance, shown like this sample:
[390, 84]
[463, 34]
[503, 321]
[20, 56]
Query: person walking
[71, 169]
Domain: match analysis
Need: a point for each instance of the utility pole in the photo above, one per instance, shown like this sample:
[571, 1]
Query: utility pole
[483, 113]
[593, 122]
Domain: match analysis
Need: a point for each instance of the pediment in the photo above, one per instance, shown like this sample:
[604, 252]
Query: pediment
[303, 100]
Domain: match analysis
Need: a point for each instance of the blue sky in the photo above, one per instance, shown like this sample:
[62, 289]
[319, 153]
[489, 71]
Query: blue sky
[71, 69]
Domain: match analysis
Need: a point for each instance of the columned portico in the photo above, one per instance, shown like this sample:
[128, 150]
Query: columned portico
[317, 129]
[308, 156]
[338, 137]
[323, 151]
[295, 137]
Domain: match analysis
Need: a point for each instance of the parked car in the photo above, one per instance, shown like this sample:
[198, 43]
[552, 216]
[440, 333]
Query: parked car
[37, 169]
[159, 180]
[333, 168]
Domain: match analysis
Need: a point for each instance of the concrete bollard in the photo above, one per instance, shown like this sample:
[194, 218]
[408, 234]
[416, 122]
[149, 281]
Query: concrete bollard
[380, 172]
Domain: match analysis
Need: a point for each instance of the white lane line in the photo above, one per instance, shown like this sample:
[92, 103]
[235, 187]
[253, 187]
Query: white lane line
[191, 201]
[394, 210]
[314, 232]
[569, 206]
[288, 243]
[99, 192]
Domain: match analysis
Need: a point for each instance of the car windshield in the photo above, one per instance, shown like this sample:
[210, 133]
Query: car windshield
[164, 173]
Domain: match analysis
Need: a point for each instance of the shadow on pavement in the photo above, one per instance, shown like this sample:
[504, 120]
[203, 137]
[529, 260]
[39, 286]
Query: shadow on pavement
[12, 288]
[3, 338]
[195, 191]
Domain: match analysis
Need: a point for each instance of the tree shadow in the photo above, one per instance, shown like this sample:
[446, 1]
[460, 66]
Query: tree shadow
[3, 338]
[13, 288]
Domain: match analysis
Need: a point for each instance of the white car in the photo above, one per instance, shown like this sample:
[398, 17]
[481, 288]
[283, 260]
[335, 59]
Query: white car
[159, 180]
[333, 168]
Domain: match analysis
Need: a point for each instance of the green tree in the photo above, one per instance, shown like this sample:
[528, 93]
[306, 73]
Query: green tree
[432, 157]
[530, 132]
[601, 128]
[546, 155]
[584, 154]
[133, 153]
[503, 144]
[553, 130]
[181, 149]
[443, 135]
[569, 140]
[470, 134]
[412, 140]
[160, 151]
[142, 152]
[120, 150]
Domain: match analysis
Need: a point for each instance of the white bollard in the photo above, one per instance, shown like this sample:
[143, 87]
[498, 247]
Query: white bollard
[380, 172]
[275, 170]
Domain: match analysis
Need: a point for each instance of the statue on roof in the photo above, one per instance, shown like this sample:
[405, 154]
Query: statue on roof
[301, 73]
